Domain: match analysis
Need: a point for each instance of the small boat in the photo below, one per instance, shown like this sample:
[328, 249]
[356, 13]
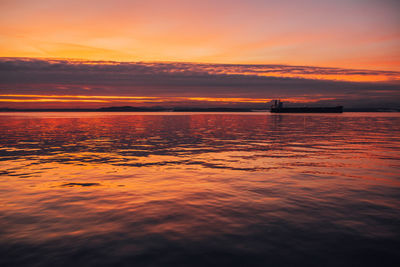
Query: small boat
[277, 107]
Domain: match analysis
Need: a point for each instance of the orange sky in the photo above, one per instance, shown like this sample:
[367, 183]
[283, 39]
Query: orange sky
[57, 53]
[341, 33]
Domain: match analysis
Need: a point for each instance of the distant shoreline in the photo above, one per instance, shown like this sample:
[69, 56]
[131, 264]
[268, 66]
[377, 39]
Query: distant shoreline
[178, 109]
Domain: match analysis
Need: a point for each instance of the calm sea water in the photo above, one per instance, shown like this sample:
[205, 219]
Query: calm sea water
[168, 189]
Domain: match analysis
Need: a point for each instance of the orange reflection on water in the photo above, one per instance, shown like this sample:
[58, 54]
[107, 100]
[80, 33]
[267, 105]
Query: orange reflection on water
[190, 176]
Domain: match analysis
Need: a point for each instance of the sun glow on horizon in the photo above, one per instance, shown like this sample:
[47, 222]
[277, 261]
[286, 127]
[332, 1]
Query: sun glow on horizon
[143, 99]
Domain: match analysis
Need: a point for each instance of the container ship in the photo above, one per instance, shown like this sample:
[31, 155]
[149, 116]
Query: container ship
[277, 107]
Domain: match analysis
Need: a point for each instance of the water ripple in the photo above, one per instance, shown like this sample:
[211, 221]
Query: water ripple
[200, 190]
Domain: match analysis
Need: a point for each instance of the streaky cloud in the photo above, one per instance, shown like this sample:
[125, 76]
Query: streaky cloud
[32, 76]
[33, 64]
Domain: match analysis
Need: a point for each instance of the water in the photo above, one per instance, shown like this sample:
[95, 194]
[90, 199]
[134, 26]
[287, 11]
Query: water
[168, 189]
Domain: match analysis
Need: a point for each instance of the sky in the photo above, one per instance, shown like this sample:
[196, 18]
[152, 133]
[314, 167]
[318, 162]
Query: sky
[58, 53]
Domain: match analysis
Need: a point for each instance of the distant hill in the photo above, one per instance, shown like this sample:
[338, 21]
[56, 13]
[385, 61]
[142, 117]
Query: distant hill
[129, 108]
[105, 109]
[212, 109]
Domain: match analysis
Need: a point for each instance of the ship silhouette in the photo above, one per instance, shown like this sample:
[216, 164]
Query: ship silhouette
[277, 107]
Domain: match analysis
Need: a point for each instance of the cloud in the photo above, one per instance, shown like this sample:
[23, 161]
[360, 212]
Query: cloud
[27, 76]
[59, 65]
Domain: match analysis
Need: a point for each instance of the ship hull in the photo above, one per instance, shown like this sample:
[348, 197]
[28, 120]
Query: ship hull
[338, 109]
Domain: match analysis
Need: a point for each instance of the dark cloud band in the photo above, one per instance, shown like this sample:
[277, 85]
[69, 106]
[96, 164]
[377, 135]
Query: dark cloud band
[69, 77]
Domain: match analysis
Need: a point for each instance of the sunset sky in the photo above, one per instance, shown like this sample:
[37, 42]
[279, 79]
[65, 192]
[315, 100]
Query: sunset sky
[167, 53]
